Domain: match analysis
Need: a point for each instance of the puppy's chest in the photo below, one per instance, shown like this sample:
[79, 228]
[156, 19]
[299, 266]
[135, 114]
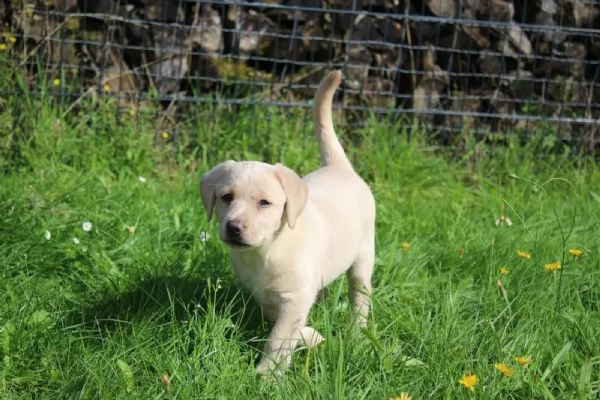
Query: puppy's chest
[267, 283]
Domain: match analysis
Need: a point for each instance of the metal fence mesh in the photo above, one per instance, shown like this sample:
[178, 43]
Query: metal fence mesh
[490, 67]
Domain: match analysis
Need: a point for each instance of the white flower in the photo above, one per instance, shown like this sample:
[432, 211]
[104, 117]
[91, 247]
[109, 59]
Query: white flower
[142, 179]
[75, 240]
[503, 220]
[47, 235]
[86, 226]
[204, 236]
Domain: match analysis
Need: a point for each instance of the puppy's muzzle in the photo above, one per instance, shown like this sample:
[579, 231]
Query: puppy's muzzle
[235, 231]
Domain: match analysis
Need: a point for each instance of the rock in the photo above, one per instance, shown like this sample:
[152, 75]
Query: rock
[461, 119]
[568, 60]
[520, 84]
[169, 61]
[548, 31]
[206, 33]
[163, 10]
[581, 14]
[442, 8]
[426, 95]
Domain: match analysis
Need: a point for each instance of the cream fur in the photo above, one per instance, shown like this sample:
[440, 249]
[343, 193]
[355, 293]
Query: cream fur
[290, 237]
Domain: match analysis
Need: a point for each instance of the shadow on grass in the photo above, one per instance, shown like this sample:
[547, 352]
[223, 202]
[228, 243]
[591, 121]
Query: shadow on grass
[168, 299]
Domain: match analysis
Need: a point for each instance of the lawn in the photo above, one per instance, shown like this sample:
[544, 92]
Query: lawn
[114, 286]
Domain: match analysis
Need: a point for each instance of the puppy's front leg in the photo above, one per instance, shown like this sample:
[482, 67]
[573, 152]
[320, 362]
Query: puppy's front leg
[287, 331]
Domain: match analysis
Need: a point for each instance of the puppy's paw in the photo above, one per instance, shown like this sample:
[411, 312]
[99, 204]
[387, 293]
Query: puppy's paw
[268, 369]
[310, 338]
[362, 322]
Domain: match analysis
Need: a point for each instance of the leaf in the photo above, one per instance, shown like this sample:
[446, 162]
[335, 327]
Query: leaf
[39, 317]
[127, 375]
[412, 362]
[557, 360]
[27, 377]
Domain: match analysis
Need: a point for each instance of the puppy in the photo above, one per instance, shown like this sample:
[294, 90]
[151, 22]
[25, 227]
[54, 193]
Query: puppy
[290, 237]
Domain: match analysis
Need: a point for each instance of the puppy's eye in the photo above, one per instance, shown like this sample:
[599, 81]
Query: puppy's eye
[264, 203]
[227, 198]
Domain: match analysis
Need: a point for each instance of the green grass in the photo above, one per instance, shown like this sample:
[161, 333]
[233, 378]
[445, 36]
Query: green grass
[109, 316]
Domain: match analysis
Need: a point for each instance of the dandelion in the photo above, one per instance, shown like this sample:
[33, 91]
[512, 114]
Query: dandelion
[522, 361]
[504, 369]
[9, 37]
[165, 135]
[2, 46]
[523, 255]
[403, 396]
[575, 252]
[131, 229]
[131, 112]
[551, 267]
[504, 271]
[47, 235]
[405, 246]
[503, 220]
[75, 240]
[86, 226]
[469, 381]
[106, 88]
[142, 179]
[56, 82]
[204, 236]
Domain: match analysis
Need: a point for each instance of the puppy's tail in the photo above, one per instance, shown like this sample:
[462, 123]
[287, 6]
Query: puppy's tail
[332, 152]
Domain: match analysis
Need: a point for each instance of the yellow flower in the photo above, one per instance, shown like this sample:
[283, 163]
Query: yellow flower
[403, 396]
[56, 82]
[2, 46]
[131, 229]
[106, 88]
[9, 37]
[469, 381]
[575, 252]
[523, 255]
[165, 135]
[551, 267]
[405, 246]
[504, 369]
[504, 271]
[522, 361]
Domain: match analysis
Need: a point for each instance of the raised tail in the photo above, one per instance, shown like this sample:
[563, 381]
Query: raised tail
[332, 153]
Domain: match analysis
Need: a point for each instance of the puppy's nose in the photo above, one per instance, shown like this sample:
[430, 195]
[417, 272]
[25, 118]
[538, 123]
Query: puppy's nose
[235, 227]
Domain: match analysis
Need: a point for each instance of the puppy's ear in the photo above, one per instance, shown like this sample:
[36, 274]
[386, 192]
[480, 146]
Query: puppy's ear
[296, 193]
[209, 182]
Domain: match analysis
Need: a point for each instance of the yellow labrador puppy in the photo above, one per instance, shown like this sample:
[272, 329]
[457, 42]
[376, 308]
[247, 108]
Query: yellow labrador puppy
[290, 237]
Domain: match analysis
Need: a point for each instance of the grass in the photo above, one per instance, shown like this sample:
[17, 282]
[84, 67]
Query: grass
[142, 296]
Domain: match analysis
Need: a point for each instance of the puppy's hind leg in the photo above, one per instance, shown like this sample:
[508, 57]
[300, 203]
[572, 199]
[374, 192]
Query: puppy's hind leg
[359, 282]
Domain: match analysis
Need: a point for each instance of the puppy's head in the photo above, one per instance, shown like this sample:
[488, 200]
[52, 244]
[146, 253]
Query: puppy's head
[252, 201]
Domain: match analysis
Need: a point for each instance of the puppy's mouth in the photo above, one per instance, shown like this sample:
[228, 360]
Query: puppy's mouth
[236, 242]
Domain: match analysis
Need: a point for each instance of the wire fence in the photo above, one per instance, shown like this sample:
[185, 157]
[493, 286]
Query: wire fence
[492, 68]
